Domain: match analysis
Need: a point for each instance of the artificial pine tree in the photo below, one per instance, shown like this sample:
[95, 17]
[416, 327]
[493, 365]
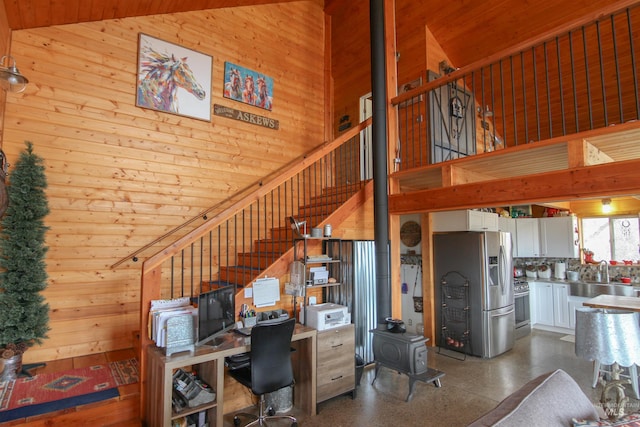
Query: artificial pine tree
[24, 315]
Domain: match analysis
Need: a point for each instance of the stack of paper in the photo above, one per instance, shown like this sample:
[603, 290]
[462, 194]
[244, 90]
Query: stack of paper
[162, 311]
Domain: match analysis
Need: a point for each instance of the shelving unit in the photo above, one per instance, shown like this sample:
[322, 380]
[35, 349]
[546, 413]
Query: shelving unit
[331, 259]
[455, 332]
[161, 368]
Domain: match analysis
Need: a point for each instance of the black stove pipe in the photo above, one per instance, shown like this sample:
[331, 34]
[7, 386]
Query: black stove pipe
[379, 143]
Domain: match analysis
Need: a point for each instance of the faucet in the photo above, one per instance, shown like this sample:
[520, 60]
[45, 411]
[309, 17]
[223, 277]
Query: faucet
[605, 276]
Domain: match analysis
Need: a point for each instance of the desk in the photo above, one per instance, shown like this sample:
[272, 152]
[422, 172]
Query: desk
[210, 361]
[614, 302]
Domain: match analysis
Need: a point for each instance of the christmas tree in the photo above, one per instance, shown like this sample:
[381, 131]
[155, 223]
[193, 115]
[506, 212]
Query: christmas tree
[24, 314]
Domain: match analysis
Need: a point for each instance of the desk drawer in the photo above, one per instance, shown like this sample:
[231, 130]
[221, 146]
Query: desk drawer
[335, 362]
[336, 339]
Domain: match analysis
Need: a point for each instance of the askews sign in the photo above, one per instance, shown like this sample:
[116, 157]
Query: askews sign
[243, 116]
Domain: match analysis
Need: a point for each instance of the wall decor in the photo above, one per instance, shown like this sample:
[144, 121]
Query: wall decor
[173, 79]
[243, 116]
[250, 87]
[406, 88]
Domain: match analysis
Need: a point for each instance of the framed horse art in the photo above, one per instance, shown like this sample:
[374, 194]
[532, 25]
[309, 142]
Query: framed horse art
[173, 79]
[248, 86]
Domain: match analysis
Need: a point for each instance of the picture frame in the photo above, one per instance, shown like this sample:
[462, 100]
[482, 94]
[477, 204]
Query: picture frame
[410, 86]
[248, 86]
[173, 79]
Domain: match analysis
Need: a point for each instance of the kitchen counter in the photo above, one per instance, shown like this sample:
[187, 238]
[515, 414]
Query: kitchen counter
[614, 302]
[593, 289]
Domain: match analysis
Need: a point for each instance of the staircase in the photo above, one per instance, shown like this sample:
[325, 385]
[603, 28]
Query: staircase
[264, 252]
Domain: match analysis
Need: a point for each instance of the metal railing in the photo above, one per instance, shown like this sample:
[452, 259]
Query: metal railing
[581, 80]
[240, 241]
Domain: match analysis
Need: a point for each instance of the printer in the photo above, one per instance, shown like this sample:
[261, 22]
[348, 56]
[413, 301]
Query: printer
[327, 316]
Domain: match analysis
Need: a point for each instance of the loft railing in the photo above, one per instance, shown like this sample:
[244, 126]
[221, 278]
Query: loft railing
[584, 79]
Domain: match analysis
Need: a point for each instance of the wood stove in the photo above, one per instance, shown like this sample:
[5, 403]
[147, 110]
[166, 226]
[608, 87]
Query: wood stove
[405, 353]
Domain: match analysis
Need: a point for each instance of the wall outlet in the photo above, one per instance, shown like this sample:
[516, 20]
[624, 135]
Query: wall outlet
[410, 322]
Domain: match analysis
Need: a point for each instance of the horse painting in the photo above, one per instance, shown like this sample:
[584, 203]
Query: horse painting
[232, 87]
[160, 76]
[248, 86]
[263, 98]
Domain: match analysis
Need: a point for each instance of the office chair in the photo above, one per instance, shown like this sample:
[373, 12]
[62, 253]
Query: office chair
[269, 367]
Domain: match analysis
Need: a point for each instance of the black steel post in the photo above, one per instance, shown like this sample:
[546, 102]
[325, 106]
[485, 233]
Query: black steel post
[379, 143]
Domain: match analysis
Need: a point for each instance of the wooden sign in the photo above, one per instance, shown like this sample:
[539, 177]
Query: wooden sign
[243, 116]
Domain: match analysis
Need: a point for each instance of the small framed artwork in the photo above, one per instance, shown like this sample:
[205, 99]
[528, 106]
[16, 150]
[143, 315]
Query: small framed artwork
[410, 86]
[173, 79]
[250, 87]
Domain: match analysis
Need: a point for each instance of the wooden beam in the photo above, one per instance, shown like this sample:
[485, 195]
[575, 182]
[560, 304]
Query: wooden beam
[610, 179]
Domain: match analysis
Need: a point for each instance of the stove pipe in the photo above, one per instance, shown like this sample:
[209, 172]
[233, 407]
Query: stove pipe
[379, 142]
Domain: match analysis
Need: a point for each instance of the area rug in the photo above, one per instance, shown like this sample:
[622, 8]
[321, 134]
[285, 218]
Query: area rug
[28, 396]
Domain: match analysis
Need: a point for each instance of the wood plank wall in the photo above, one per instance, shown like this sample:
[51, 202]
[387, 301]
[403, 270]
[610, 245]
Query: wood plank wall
[120, 176]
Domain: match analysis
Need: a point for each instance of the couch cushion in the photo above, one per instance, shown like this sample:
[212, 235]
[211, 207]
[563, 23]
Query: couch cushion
[552, 399]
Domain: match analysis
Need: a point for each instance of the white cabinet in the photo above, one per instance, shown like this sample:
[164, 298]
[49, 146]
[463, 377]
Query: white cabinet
[575, 303]
[541, 303]
[550, 305]
[559, 237]
[528, 237]
[464, 220]
[509, 225]
[561, 313]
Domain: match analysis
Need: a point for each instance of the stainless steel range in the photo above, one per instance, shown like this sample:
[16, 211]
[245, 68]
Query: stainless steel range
[523, 314]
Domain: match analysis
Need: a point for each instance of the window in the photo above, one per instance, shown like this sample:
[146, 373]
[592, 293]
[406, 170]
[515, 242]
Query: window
[612, 238]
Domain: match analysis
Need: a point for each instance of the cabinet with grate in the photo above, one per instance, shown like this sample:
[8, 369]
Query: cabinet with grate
[454, 312]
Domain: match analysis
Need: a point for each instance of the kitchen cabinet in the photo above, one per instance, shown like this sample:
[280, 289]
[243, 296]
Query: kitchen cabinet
[574, 303]
[559, 237]
[509, 225]
[464, 220]
[549, 305]
[528, 237]
[561, 313]
[541, 303]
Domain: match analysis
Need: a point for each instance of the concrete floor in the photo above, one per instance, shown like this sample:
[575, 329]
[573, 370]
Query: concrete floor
[469, 388]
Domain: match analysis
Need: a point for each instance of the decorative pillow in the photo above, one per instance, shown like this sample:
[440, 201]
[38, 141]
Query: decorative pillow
[631, 420]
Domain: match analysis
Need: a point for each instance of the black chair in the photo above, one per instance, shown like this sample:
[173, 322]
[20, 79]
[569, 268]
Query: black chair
[268, 368]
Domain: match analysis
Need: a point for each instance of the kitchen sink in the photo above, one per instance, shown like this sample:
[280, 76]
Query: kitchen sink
[593, 289]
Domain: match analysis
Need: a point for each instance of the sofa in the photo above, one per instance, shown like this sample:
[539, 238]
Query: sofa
[552, 399]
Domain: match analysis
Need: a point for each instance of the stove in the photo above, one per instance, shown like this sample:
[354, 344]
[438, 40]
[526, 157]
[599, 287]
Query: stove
[520, 285]
[523, 313]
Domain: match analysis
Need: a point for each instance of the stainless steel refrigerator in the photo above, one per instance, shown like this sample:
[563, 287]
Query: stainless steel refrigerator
[481, 261]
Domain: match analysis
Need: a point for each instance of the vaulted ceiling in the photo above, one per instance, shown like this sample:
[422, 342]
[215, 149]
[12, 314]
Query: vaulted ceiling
[491, 25]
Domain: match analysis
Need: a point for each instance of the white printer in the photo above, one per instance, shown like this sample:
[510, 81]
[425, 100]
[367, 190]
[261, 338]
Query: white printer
[327, 316]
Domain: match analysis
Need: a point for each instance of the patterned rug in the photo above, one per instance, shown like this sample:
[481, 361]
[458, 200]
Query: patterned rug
[43, 393]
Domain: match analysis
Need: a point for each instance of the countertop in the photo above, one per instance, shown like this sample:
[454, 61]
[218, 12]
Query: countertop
[593, 289]
[614, 302]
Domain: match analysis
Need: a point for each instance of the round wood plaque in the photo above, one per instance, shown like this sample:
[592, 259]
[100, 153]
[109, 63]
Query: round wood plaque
[410, 233]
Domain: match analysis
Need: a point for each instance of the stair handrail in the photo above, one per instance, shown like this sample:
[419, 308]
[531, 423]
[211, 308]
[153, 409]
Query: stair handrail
[287, 172]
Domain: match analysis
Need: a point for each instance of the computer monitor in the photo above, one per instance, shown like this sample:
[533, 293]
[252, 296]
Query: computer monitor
[216, 313]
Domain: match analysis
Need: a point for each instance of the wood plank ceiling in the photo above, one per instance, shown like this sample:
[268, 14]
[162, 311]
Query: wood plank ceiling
[493, 25]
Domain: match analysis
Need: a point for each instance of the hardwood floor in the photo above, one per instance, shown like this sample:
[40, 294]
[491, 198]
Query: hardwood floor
[122, 411]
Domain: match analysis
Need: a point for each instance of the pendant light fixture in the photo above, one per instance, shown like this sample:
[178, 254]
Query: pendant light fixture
[10, 78]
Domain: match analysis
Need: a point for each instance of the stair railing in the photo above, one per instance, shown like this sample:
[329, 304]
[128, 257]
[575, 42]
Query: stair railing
[555, 85]
[236, 243]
